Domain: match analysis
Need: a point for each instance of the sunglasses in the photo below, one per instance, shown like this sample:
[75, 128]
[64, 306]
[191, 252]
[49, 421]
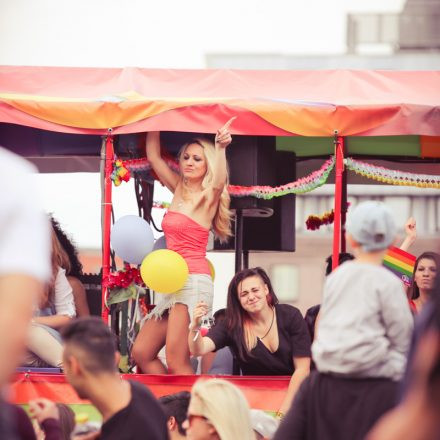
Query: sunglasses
[191, 417]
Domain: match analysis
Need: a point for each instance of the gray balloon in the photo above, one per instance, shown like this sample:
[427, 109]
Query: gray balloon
[160, 243]
[132, 238]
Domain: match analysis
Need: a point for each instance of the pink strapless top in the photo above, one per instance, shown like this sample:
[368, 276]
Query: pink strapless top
[189, 239]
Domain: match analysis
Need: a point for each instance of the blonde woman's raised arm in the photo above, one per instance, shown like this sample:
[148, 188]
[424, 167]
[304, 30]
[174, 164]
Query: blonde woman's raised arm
[222, 140]
[167, 176]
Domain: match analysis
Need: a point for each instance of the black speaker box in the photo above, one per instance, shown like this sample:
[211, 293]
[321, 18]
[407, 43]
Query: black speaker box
[268, 225]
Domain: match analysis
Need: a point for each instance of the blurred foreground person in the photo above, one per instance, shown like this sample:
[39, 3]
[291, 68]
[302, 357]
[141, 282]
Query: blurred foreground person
[417, 417]
[24, 265]
[218, 411]
[129, 410]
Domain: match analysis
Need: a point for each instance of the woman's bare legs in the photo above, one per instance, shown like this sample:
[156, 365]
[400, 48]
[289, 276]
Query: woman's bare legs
[177, 351]
[148, 343]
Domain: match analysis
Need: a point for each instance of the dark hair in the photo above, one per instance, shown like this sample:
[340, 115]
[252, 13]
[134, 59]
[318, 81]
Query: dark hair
[343, 257]
[94, 338]
[67, 420]
[176, 405]
[414, 291]
[219, 315]
[235, 314]
[76, 269]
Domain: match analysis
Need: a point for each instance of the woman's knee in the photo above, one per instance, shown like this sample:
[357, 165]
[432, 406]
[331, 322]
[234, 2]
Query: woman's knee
[176, 360]
[138, 351]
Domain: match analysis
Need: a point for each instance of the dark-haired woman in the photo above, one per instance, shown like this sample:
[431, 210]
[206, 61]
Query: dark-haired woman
[69, 261]
[267, 338]
[425, 271]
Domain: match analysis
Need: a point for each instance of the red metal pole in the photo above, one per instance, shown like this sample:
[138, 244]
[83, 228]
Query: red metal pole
[344, 206]
[106, 220]
[339, 170]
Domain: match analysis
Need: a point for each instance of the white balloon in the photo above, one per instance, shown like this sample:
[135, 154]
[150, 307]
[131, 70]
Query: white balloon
[132, 238]
[161, 243]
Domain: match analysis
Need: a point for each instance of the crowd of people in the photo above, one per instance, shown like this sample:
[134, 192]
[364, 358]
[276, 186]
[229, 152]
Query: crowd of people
[375, 345]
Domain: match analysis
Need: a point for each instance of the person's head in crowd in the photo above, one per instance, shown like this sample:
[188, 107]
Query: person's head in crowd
[250, 291]
[218, 410]
[175, 407]
[371, 229]
[425, 275]
[89, 352]
[343, 257]
[219, 315]
[68, 258]
[263, 424]
[67, 420]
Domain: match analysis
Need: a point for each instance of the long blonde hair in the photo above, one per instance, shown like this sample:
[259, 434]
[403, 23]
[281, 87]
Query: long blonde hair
[225, 407]
[221, 223]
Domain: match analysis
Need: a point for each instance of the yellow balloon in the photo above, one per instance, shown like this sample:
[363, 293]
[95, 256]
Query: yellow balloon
[164, 271]
[211, 269]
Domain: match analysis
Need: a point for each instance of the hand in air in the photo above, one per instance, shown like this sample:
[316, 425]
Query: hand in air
[42, 409]
[410, 228]
[200, 310]
[223, 138]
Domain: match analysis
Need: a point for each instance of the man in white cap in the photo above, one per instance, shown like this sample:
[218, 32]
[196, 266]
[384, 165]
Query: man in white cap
[362, 341]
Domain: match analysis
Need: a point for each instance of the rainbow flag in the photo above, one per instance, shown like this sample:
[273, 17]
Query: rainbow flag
[401, 263]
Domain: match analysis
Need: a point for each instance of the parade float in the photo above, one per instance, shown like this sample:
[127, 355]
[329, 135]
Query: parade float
[342, 121]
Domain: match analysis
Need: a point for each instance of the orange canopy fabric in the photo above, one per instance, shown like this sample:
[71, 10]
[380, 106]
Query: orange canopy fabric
[277, 103]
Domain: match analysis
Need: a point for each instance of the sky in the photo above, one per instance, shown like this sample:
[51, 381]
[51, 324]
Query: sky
[116, 33]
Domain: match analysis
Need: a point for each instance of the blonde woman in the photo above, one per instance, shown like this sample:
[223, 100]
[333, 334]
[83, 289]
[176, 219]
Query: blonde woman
[200, 203]
[218, 411]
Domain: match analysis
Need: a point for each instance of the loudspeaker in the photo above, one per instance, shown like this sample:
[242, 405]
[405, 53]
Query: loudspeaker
[251, 161]
[255, 161]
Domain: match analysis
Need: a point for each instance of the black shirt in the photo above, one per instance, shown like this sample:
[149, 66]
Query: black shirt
[141, 419]
[336, 408]
[294, 341]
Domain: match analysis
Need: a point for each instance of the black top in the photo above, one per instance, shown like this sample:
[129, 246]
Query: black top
[142, 418]
[294, 341]
[336, 408]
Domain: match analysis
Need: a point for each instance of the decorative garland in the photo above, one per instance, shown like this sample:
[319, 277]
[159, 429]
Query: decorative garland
[122, 170]
[120, 173]
[161, 205]
[300, 186]
[314, 222]
[392, 177]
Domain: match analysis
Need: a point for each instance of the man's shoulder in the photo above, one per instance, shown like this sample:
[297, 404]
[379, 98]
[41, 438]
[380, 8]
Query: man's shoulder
[142, 414]
[140, 391]
[12, 163]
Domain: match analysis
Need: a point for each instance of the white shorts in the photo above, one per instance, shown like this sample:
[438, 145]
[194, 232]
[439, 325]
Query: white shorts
[198, 287]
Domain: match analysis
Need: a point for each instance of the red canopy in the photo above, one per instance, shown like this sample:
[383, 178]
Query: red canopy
[278, 103]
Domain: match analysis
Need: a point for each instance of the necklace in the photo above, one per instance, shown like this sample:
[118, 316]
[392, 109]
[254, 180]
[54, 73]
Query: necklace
[271, 324]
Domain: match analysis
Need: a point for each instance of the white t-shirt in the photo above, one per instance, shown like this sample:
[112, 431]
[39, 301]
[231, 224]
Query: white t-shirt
[64, 300]
[365, 323]
[24, 227]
